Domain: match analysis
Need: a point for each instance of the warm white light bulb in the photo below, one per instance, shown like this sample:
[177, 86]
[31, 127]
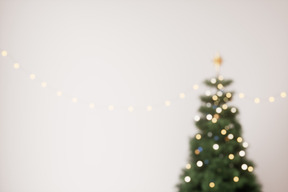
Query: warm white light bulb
[283, 95]
[230, 136]
[213, 80]
[187, 179]
[198, 136]
[44, 84]
[244, 167]
[196, 118]
[199, 163]
[32, 76]
[188, 166]
[245, 144]
[59, 93]
[215, 146]
[271, 99]
[257, 100]
[74, 100]
[91, 105]
[218, 110]
[182, 95]
[242, 153]
[111, 107]
[211, 184]
[16, 66]
[130, 108]
[209, 117]
[195, 87]
[149, 108]
[236, 179]
[233, 110]
[4, 53]
[167, 103]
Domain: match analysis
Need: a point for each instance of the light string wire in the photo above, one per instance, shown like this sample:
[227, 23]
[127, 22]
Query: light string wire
[130, 108]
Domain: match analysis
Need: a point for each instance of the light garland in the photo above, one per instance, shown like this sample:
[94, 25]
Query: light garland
[149, 108]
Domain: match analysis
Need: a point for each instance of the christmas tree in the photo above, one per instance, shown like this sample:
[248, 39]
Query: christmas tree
[217, 161]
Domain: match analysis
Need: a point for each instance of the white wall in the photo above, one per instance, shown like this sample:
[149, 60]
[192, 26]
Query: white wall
[133, 53]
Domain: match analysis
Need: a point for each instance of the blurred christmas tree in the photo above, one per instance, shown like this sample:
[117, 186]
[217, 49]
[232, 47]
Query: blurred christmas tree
[218, 160]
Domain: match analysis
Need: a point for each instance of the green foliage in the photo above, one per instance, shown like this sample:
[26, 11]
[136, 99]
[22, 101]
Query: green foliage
[217, 160]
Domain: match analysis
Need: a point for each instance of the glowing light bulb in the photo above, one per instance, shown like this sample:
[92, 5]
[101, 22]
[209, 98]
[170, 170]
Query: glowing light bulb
[231, 156]
[197, 152]
[187, 179]
[219, 93]
[220, 86]
[221, 78]
[239, 139]
[230, 136]
[198, 136]
[188, 166]
[74, 100]
[199, 163]
[213, 80]
[242, 153]
[233, 110]
[4, 53]
[236, 179]
[271, 99]
[182, 95]
[167, 103]
[224, 106]
[16, 66]
[244, 167]
[223, 132]
[195, 87]
[44, 84]
[257, 100]
[214, 97]
[215, 146]
[149, 108]
[111, 108]
[211, 184]
[214, 120]
[250, 169]
[91, 105]
[218, 110]
[130, 108]
[245, 145]
[209, 117]
[59, 93]
[228, 95]
[207, 93]
[241, 95]
[32, 76]
[283, 95]
[196, 118]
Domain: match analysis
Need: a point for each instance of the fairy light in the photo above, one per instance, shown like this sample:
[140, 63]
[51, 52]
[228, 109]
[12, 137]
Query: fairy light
[130, 108]
[233, 110]
[44, 84]
[4, 53]
[239, 139]
[199, 163]
[283, 95]
[236, 179]
[223, 132]
[218, 110]
[32, 76]
[228, 95]
[195, 87]
[211, 184]
[91, 105]
[213, 80]
[231, 156]
[16, 66]
[214, 120]
[187, 179]
[245, 144]
[74, 100]
[198, 136]
[220, 86]
[221, 78]
[182, 95]
[250, 168]
[207, 93]
[215, 146]
[111, 107]
[244, 167]
[188, 166]
[209, 117]
[230, 136]
[167, 103]
[242, 153]
[241, 95]
[214, 97]
[271, 99]
[224, 106]
[59, 93]
[196, 118]
[219, 93]
[149, 108]
[257, 100]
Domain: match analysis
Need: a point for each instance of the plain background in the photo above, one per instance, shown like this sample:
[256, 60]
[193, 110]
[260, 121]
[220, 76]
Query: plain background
[133, 53]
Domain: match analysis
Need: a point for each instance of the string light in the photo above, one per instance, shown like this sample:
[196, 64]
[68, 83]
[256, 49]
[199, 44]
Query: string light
[199, 163]
[221, 78]
[271, 99]
[182, 95]
[219, 93]
[250, 169]
[198, 136]
[233, 110]
[207, 93]
[111, 108]
[257, 100]
[130, 108]
[228, 95]
[220, 86]
[74, 100]
[211, 184]
[209, 117]
[231, 156]
[241, 153]
[244, 167]
[32, 76]
[214, 97]
[4, 53]
[283, 94]
[215, 146]
[236, 179]
[196, 118]
[218, 110]
[91, 105]
[224, 106]
[214, 120]
[245, 145]
[223, 132]
[241, 95]
[16, 66]
[187, 179]
[195, 87]
[213, 80]
[188, 166]
[230, 136]
[239, 139]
